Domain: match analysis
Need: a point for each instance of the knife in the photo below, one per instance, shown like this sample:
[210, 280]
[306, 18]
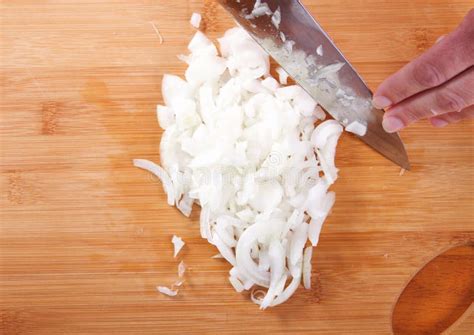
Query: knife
[286, 30]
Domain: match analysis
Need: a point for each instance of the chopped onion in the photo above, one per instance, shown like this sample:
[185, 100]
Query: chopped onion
[319, 50]
[167, 291]
[325, 138]
[288, 291]
[270, 83]
[181, 269]
[165, 116]
[329, 70]
[315, 229]
[178, 244]
[204, 222]
[174, 89]
[277, 269]
[282, 75]
[307, 255]
[248, 151]
[185, 205]
[259, 9]
[257, 296]
[276, 18]
[224, 249]
[195, 20]
[357, 128]
[298, 241]
[161, 174]
[225, 232]
[238, 286]
[178, 283]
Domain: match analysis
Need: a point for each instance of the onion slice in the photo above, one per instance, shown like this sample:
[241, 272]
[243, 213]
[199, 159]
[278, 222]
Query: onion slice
[195, 20]
[167, 291]
[178, 244]
[236, 284]
[181, 269]
[307, 255]
[357, 128]
[160, 173]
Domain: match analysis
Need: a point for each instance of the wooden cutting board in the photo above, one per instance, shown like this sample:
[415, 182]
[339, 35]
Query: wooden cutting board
[85, 237]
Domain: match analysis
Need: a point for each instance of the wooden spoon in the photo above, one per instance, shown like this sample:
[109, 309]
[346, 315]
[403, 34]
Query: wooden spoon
[438, 295]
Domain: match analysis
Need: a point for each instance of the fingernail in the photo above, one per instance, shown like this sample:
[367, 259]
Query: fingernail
[381, 102]
[439, 123]
[392, 124]
[440, 38]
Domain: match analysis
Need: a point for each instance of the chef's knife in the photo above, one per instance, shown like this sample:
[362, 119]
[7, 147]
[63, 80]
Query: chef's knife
[287, 31]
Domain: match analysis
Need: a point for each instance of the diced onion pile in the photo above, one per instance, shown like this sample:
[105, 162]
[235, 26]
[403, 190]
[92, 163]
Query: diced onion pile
[246, 150]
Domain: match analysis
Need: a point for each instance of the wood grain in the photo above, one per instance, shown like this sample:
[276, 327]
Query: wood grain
[85, 237]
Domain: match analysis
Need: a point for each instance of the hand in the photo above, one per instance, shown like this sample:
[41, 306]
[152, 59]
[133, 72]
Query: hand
[438, 85]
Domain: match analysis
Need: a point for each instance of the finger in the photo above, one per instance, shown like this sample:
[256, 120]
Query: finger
[446, 59]
[454, 117]
[452, 96]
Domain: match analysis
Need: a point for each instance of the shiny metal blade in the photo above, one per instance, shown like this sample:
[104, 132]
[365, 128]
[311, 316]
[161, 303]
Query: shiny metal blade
[299, 44]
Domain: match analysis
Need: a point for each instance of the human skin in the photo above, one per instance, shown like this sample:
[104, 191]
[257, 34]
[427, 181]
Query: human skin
[438, 85]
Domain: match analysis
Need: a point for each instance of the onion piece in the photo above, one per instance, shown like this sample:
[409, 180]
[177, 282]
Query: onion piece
[185, 205]
[195, 20]
[329, 70]
[167, 291]
[236, 284]
[276, 18]
[178, 283]
[276, 253]
[165, 116]
[324, 131]
[224, 249]
[201, 45]
[205, 222]
[282, 75]
[292, 287]
[319, 50]
[246, 263]
[268, 195]
[307, 255]
[298, 241]
[270, 83]
[257, 296]
[160, 173]
[225, 232]
[324, 139]
[181, 269]
[178, 244]
[357, 128]
[173, 89]
[259, 9]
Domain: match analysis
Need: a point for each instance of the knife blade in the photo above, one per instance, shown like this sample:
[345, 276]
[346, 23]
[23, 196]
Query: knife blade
[287, 31]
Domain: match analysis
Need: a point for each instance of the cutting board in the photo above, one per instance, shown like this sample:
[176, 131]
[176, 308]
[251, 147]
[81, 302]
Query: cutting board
[85, 237]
